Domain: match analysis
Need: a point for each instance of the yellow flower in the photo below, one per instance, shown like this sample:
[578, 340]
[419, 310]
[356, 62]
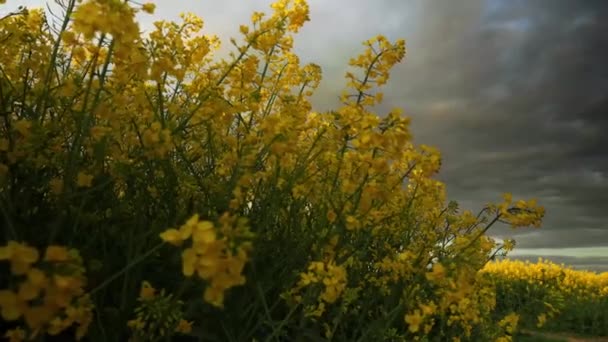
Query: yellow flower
[428, 310]
[56, 325]
[331, 216]
[207, 266]
[56, 254]
[204, 233]
[437, 274]
[37, 277]
[148, 7]
[28, 291]
[66, 282]
[509, 322]
[214, 295]
[84, 180]
[21, 256]
[257, 17]
[12, 308]
[23, 127]
[183, 326]
[17, 334]
[542, 319]
[307, 278]
[414, 320]
[189, 261]
[508, 245]
[69, 38]
[352, 222]
[319, 310]
[56, 186]
[136, 324]
[172, 236]
[147, 291]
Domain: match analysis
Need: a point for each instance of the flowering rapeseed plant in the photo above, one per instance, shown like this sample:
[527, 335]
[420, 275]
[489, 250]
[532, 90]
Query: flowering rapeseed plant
[46, 294]
[297, 223]
[158, 315]
[547, 294]
[210, 257]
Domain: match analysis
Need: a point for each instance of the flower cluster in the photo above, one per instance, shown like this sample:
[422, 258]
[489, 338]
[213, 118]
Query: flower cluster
[553, 294]
[521, 213]
[213, 254]
[92, 17]
[509, 325]
[331, 279]
[158, 315]
[157, 140]
[416, 319]
[47, 292]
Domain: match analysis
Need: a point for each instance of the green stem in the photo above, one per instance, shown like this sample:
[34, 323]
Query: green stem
[127, 268]
[52, 63]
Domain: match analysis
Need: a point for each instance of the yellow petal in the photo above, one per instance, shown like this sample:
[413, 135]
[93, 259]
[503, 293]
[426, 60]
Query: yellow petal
[188, 262]
[10, 305]
[171, 236]
[18, 267]
[5, 253]
[36, 277]
[28, 291]
[204, 235]
[27, 254]
[56, 253]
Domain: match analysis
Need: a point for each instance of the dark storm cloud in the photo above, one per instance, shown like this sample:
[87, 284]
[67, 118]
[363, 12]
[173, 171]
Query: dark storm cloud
[516, 96]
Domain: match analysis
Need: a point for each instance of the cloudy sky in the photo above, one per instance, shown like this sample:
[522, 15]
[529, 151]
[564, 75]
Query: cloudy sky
[514, 93]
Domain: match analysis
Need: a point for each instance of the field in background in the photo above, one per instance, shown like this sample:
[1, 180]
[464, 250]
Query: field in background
[552, 297]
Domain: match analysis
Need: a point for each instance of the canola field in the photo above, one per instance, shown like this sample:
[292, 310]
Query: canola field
[551, 296]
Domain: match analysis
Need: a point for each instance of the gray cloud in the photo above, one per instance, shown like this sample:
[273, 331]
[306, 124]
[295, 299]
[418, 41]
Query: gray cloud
[516, 97]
